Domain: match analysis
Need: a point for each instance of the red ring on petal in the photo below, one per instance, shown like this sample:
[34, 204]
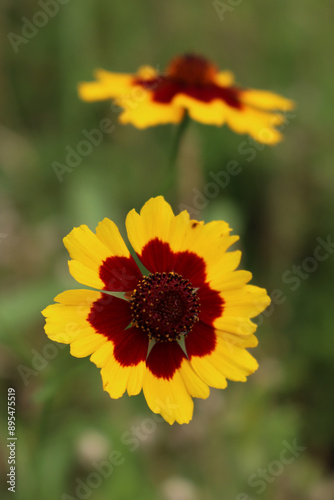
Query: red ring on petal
[119, 274]
[212, 304]
[201, 341]
[164, 89]
[157, 256]
[131, 348]
[165, 359]
[109, 316]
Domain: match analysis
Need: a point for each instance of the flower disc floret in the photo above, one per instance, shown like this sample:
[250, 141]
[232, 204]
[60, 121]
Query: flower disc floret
[165, 306]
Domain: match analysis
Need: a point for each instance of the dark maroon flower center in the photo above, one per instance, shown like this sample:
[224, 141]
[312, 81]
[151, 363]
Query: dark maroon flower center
[191, 70]
[165, 306]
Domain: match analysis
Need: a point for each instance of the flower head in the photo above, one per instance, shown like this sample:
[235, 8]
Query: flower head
[190, 84]
[179, 329]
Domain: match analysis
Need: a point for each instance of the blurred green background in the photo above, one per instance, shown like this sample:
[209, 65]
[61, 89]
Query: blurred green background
[280, 204]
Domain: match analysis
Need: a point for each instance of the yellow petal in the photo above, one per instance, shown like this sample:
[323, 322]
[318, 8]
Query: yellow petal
[208, 372]
[135, 379]
[153, 221]
[170, 397]
[237, 325]
[247, 341]
[147, 72]
[194, 385]
[89, 251]
[229, 360]
[64, 324]
[84, 247]
[107, 85]
[117, 378]
[108, 233]
[142, 112]
[263, 99]
[209, 241]
[217, 270]
[223, 281]
[101, 356]
[66, 321]
[257, 117]
[78, 297]
[247, 301]
[257, 123]
[85, 275]
[209, 113]
[224, 78]
[85, 345]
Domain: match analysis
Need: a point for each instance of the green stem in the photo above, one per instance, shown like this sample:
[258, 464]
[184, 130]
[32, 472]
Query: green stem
[171, 176]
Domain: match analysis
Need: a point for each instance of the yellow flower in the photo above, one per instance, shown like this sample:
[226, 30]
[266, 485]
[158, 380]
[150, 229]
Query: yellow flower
[194, 85]
[183, 327]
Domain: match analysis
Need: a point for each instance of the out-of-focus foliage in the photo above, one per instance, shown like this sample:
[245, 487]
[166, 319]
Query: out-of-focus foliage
[281, 203]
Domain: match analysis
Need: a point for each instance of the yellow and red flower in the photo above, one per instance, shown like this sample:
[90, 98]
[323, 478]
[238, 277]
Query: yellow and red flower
[190, 84]
[183, 327]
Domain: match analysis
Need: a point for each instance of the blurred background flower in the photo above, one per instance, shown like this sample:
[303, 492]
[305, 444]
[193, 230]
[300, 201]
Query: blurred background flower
[193, 85]
[66, 163]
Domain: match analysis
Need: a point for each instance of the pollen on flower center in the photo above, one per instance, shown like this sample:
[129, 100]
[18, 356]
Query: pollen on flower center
[165, 306]
[191, 70]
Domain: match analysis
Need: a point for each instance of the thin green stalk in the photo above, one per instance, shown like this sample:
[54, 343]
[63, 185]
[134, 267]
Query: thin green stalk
[171, 177]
